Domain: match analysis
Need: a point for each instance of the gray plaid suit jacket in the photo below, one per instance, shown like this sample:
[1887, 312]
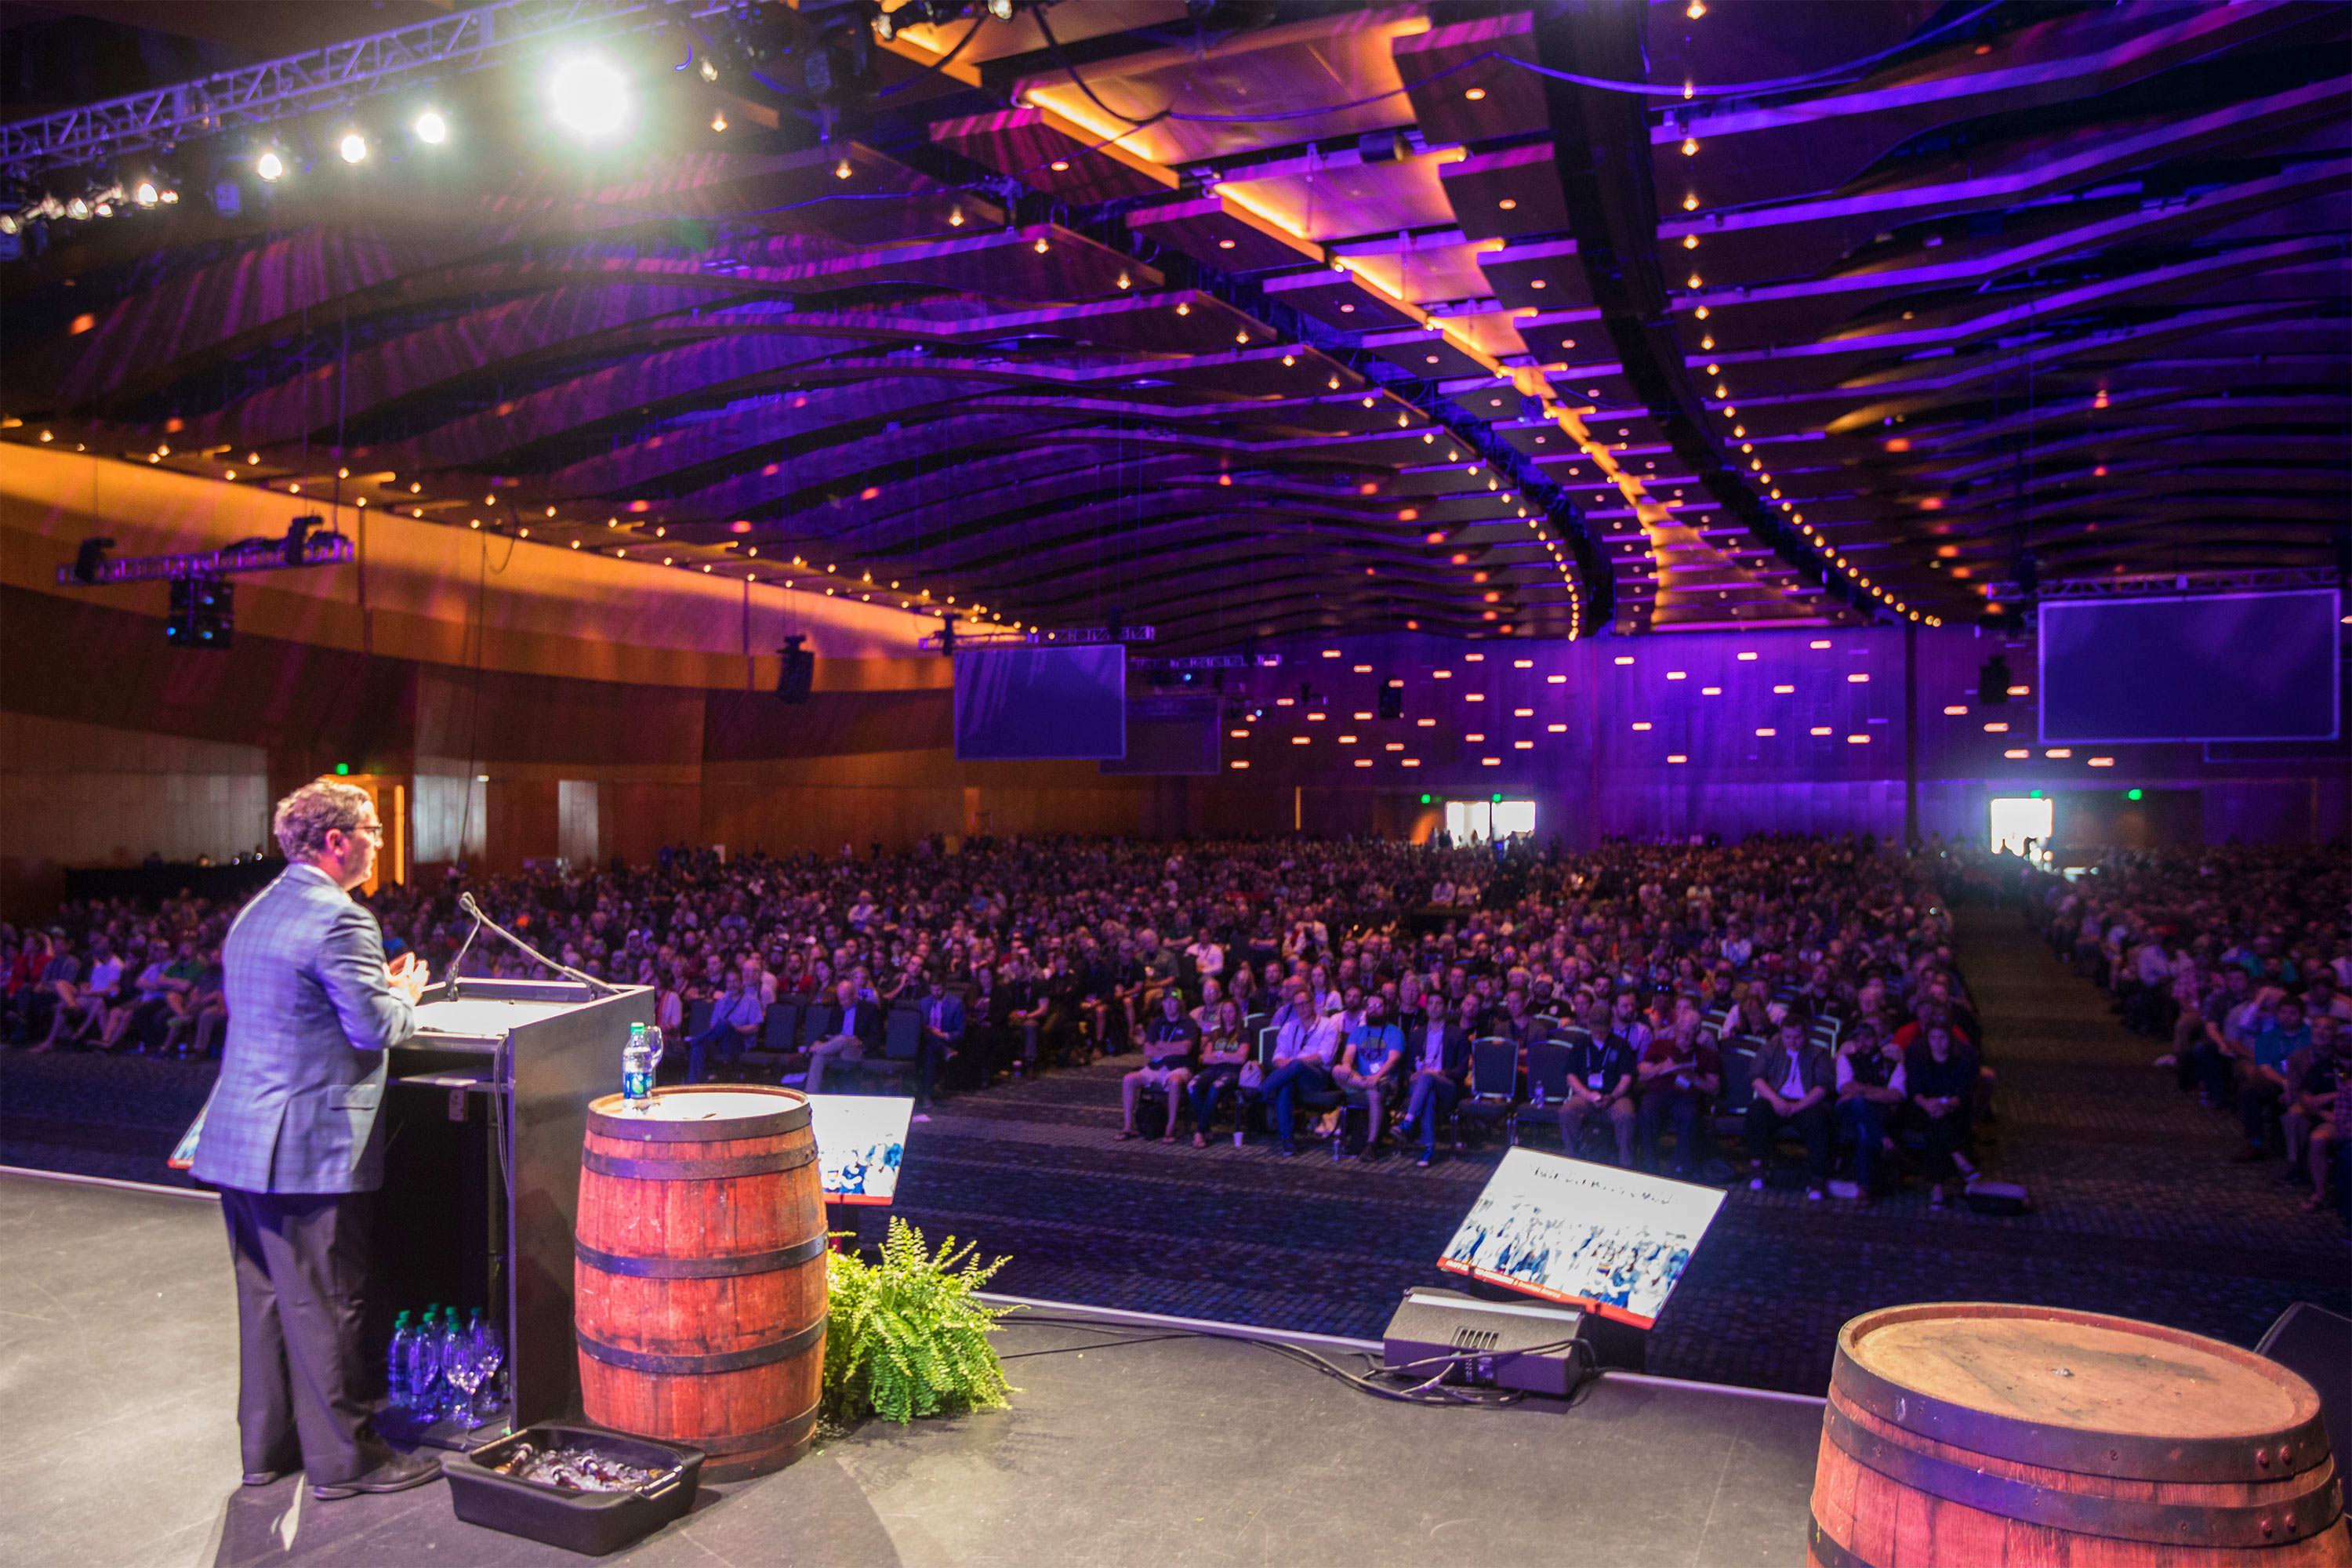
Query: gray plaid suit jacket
[309, 1019]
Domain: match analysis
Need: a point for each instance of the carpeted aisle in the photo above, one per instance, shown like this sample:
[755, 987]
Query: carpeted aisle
[2138, 1211]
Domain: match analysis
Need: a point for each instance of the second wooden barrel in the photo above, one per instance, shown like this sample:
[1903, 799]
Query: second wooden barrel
[1983, 1435]
[699, 1273]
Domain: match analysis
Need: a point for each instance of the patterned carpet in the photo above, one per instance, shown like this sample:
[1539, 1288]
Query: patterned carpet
[2137, 1210]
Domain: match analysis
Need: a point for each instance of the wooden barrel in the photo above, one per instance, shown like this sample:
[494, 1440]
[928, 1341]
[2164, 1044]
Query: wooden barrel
[1980, 1434]
[699, 1273]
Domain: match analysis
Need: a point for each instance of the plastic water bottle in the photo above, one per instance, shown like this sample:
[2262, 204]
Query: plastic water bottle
[395, 1364]
[424, 1365]
[638, 1069]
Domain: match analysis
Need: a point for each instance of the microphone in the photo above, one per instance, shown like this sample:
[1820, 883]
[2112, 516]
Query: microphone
[466, 902]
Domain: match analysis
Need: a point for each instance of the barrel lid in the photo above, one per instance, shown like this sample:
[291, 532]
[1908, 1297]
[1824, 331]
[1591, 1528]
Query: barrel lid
[2080, 1391]
[703, 1112]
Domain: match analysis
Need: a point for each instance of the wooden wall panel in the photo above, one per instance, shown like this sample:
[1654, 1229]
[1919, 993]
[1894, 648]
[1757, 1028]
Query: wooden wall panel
[76, 794]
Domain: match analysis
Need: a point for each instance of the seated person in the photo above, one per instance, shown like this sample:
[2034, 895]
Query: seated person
[206, 1011]
[1870, 1090]
[1212, 997]
[1439, 1051]
[146, 1005]
[82, 1007]
[942, 1037]
[1224, 1049]
[845, 1030]
[1940, 1076]
[1601, 1069]
[1676, 1073]
[2276, 1033]
[735, 1020]
[1794, 1078]
[2219, 1039]
[1171, 1043]
[1369, 1066]
[2316, 1073]
[1304, 1049]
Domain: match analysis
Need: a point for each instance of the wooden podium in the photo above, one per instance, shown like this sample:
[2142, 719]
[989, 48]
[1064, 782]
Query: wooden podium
[484, 1112]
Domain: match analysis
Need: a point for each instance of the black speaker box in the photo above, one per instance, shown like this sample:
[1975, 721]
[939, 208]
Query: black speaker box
[799, 672]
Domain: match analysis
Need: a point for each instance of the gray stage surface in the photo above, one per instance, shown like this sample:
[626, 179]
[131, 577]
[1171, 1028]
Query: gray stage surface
[1126, 1445]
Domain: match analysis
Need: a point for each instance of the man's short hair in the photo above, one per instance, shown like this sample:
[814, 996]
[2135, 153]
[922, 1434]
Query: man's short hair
[304, 819]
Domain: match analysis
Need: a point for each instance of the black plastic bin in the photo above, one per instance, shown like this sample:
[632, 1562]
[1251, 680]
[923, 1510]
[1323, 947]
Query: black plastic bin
[590, 1523]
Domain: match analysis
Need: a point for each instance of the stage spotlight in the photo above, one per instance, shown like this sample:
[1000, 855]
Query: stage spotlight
[270, 165]
[1001, 9]
[76, 208]
[710, 71]
[588, 97]
[353, 147]
[144, 195]
[431, 128]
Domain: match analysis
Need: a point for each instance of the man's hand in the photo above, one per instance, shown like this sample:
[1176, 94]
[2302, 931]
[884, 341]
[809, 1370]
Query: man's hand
[407, 975]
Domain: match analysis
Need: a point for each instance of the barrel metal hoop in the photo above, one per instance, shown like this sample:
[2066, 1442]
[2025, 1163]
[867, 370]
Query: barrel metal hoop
[774, 1162]
[632, 1128]
[2117, 1455]
[1828, 1553]
[784, 1348]
[782, 1434]
[2274, 1523]
[726, 1266]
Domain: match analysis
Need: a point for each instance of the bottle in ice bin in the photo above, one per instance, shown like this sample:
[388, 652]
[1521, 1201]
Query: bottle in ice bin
[638, 1059]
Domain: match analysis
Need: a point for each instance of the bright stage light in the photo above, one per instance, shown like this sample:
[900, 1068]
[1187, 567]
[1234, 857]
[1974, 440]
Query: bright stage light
[270, 165]
[353, 147]
[588, 97]
[431, 128]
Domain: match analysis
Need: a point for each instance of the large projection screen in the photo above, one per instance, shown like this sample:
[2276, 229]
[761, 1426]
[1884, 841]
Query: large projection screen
[1034, 704]
[2219, 667]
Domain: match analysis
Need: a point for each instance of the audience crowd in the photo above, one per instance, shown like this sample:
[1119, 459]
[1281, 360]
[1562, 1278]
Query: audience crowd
[2237, 958]
[1370, 968]
[1265, 979]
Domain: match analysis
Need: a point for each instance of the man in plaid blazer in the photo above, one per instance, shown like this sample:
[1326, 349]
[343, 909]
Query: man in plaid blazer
[291, 1138]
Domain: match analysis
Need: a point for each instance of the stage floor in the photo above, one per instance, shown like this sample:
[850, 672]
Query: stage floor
[1127, 1444]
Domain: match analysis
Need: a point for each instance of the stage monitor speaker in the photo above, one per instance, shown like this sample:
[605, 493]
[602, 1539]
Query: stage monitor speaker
[1532, 1346]
[2316, 1345]
[798, 674]
[1391, 703]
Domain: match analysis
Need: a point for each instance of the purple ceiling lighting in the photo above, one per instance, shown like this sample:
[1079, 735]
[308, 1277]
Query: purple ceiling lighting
[1296, 328]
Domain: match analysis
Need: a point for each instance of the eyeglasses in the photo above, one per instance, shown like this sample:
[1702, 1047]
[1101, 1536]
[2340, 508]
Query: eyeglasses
[372, 829]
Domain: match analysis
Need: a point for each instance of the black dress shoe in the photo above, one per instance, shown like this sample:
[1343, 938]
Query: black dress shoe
[396, 1474]
[264, 1477]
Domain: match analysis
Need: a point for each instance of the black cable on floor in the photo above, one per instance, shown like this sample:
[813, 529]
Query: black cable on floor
[1433, 1390]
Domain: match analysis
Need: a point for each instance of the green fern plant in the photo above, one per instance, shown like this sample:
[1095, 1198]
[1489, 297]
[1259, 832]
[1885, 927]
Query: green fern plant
[908, 1337]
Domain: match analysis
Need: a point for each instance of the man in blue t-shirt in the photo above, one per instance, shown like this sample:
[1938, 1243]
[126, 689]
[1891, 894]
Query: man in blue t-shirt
[2261, 1077]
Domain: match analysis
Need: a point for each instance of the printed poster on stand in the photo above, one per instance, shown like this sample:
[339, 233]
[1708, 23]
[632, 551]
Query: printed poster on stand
[860, 1140]
[1614, 1241]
